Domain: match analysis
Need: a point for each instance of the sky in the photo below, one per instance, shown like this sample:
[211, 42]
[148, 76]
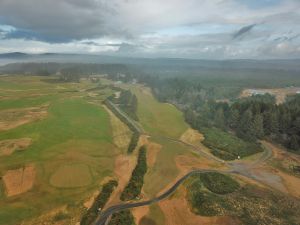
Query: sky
[204, 29]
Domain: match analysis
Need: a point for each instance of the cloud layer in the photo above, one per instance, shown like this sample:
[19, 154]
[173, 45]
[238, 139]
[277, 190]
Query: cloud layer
[153, 28]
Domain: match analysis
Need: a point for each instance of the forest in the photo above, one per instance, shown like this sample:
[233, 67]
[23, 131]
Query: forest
[251, 119]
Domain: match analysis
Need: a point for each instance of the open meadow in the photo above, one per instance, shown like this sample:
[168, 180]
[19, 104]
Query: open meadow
[56, 146]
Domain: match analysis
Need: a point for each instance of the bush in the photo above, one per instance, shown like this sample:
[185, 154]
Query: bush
[227, 146]
[100, 201]
[135, 184]
[124, 217]
[219, 183]
[133, 142]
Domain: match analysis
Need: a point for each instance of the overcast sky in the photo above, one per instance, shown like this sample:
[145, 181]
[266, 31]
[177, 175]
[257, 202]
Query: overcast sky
[208, 29]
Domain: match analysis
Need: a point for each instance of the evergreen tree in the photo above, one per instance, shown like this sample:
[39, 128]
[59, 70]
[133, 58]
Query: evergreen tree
[219, 118]
[258, 126]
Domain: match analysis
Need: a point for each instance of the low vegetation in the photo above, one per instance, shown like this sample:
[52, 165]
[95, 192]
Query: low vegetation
[133, 142]
[134, 187]
[127, 102]
[136, 134]
[100, 201]
[219, 183]
[124, 217]
[250, 204]
[227, 146]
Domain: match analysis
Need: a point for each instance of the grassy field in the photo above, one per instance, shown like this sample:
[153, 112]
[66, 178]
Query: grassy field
[72, 148]
[158, 118]
[227, 146]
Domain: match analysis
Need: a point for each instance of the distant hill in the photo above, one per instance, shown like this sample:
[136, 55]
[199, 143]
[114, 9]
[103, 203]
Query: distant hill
[152, 64]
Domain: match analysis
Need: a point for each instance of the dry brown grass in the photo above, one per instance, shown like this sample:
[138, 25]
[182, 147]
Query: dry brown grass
[13, 118]
[192, 136]
[177, 212]
[121, 133]
[124, 165]
[19, 181]
[139, 213]
[7, 147]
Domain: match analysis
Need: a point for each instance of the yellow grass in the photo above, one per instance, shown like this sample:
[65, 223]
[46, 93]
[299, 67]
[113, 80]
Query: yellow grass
[121, 133]
[71, 176]
[7, 147]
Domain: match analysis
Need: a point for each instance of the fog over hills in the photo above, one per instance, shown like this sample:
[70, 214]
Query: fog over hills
[168, 63]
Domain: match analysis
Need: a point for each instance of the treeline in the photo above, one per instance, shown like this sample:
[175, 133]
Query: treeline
[67, 69]
[136, 134]
[127, 101]
[100, 201]
[135, 184]
[253, 118]
[123, 217]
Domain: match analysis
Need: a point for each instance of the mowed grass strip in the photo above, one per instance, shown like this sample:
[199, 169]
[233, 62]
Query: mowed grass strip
[158, 118]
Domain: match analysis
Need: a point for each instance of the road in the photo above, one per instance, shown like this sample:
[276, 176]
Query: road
[239, 168]
[101, 220]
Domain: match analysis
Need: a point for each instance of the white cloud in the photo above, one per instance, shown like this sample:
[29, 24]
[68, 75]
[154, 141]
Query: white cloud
[173, 28]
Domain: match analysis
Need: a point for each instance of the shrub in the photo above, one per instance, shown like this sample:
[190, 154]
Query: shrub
[219, 183]
[100, 201]
[135, 184]
[124, 217]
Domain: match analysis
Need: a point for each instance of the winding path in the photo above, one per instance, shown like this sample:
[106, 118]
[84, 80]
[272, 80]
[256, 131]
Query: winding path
[101, 220]
[235, 168]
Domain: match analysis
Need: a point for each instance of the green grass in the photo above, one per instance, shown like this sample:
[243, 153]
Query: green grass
[159, 118]
[71, 176]
[74, 132]
[164, 171]
[219, 183]
[227, 146]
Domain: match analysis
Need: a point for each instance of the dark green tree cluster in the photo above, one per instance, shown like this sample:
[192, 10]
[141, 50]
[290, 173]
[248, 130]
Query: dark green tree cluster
[124, 217]
[219, 183]
[133, 142]
[91, 214]
[135, 184]
[253, 118]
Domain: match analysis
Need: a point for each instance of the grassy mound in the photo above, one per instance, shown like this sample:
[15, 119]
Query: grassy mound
[219, 183]
[227, 146]
[250, 204]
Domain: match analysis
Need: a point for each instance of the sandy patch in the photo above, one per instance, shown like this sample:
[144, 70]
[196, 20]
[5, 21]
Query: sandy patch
[279, 93]
[7, 147]
[88, 204]
[291, 183]
[121, 133]
[13, 118]
[152, 151]
[139, 213]
[19, 181]
[282, 157]
[177, 212]
[124, 165]
[192, 136]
